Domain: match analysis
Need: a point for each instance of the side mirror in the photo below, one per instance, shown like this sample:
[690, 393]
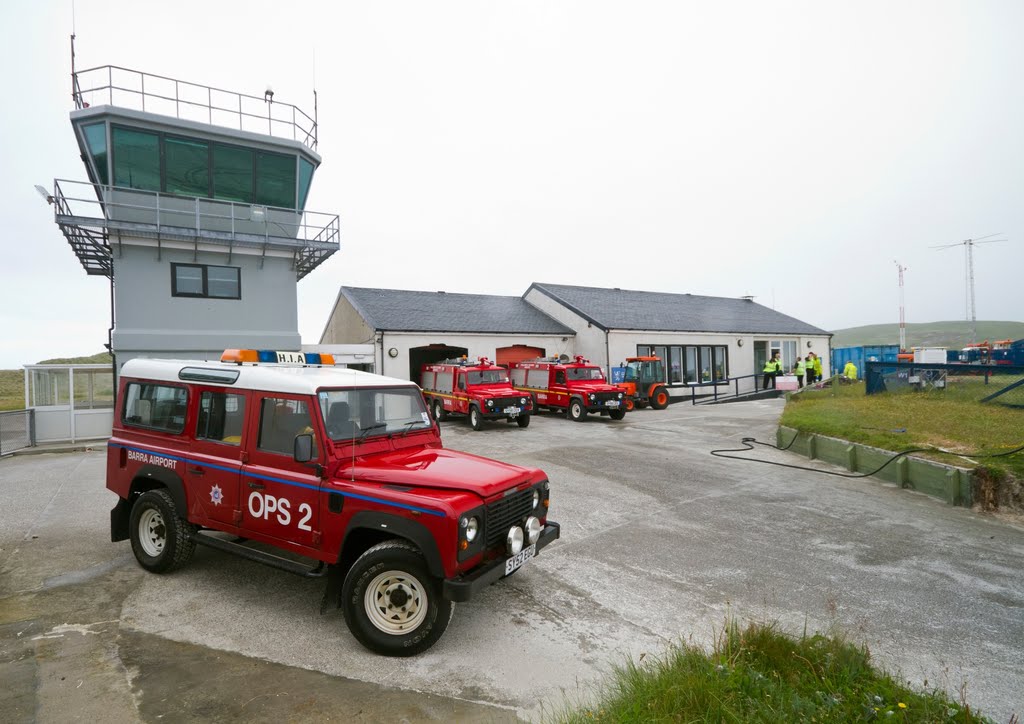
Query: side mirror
[303, 448]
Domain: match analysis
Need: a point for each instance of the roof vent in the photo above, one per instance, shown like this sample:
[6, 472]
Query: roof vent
[748, 298]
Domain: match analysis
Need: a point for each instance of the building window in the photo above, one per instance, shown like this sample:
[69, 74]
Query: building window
[305, 177]
[96, 140]
[690, 364]
[193, 167]
[186, 167]
[788, 355]
[232, 173]
[203, 280]
[136, 159]
[275, 180]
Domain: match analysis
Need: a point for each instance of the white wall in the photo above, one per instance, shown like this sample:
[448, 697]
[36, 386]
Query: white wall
[590, 340]
[478, 345]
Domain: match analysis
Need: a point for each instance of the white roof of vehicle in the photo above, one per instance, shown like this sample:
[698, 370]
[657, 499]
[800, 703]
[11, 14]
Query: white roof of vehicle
[270, 377]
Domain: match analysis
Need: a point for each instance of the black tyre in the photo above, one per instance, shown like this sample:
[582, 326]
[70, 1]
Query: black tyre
[616, 414]
[392, 604]
[659, 398]
[161, 541]
[576, 410]
[476, 420]
[523, 421]
[439, 414]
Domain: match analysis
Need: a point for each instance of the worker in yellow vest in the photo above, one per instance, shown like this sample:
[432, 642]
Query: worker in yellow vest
[850, 371]
[798, 369]
[771, 368]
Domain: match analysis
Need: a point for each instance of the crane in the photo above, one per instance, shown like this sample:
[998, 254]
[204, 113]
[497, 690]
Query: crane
[968, 245]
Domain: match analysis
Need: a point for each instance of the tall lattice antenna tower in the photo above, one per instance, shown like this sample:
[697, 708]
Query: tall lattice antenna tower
[968, 245]
[903, 315]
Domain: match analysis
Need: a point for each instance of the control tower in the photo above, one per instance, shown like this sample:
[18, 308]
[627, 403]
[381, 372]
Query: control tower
[195, 209]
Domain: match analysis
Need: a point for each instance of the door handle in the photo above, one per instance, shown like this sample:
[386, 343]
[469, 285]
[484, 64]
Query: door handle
[257, 486]
[197, 471]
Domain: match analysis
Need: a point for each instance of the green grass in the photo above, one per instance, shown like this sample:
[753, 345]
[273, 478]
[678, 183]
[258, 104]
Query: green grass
[952, 335]
[760, 674]
[951, 419]
[12, 382]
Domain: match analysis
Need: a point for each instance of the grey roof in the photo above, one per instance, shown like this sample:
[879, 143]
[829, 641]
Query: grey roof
[656, 311]
[398, 310]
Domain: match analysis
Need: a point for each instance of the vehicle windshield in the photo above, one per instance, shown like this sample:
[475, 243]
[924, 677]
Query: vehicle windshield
[487, 377]
[369, 412]
[585, 373]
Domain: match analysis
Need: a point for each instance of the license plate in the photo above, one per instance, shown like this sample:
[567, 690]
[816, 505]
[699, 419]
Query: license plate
[511, 410]
[612, 403]
[520, 558]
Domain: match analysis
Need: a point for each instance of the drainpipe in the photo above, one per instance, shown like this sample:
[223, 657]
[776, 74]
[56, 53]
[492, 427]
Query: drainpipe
[110, 340]
[607, 358]
[380, 340]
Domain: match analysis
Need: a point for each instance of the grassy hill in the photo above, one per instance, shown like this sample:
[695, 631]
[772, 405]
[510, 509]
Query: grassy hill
[12, 382]
[952, 335]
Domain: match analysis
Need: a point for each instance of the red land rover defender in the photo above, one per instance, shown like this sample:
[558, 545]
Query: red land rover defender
[575, 386]
[479, 389]
[341, 470]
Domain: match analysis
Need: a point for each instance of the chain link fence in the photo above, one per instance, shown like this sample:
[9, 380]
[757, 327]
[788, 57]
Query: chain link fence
[17, 430]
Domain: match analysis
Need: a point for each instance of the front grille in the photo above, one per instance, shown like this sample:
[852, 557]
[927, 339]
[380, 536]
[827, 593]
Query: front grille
[502, 514]
[605, 396]
[500, 403]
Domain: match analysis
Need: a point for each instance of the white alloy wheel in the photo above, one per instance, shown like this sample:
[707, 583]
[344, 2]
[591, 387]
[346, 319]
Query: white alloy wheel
[396, 602]
[152, 532]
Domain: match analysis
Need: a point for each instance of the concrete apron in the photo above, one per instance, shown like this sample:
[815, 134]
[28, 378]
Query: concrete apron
[950, 483]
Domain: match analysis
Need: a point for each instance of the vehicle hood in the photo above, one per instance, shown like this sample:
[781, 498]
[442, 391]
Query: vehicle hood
[438, 468]
[592, 386]
[497, 390]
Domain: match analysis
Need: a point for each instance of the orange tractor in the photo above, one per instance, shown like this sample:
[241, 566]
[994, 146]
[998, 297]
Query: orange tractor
[644, 383]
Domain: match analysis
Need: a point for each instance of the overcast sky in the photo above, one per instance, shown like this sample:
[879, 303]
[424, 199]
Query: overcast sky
[792, 151]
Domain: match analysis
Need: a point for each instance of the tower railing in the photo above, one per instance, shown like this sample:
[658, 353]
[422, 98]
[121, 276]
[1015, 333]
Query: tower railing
[126, 88]
[80, 206]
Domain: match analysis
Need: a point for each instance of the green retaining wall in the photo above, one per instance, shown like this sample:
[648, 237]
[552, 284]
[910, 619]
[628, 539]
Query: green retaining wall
[946, 482]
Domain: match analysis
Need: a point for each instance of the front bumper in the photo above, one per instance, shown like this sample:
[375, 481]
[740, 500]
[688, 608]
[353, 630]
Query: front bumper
[602, 406]
[500, 414]
[464, 588]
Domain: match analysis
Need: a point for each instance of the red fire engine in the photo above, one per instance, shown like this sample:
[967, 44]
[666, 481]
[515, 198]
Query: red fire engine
[478, 389]
[343, 470]
[576, 386]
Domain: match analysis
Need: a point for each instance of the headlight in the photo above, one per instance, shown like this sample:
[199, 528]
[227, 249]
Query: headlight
[620, 395]
[591, 396]
[514, 540]
[490, 403]
[536, 498]
[532, 530]
[470, 526]
[522, 400]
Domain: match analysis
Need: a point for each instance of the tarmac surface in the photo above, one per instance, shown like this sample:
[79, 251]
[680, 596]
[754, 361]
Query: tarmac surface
[661, 542]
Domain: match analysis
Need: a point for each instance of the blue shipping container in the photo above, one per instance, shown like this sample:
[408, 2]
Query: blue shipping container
[862, 354]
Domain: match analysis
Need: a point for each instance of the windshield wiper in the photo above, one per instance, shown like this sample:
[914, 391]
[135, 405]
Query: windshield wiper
[408, 427]
[362, 433]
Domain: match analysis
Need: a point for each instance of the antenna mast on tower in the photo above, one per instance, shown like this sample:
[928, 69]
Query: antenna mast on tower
[903, 316]
[968, 245]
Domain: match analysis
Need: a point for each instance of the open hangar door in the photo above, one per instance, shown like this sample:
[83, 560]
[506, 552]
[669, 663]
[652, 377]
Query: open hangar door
[516, 353]
[419, 356]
